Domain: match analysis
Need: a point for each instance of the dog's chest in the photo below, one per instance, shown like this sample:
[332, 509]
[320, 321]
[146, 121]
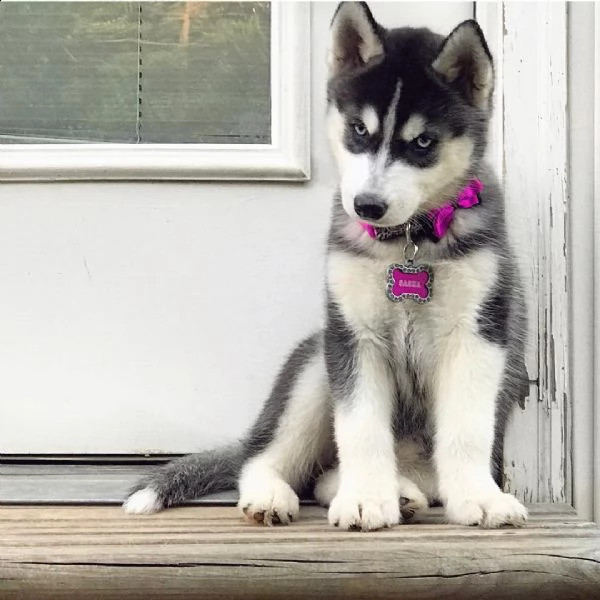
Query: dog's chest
[411, 335]
[414, 333]
[359, 287]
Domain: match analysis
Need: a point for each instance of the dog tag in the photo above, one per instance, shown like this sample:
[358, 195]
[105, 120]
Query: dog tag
[407, 282]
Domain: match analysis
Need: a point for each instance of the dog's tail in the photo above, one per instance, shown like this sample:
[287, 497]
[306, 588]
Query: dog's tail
[186, 478]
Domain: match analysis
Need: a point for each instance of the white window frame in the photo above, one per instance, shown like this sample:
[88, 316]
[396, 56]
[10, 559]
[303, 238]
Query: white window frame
[286, 158]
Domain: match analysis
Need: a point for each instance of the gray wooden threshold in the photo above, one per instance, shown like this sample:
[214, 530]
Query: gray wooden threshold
[79, 484]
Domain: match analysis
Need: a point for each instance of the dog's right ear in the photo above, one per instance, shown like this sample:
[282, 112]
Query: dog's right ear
[354, 38]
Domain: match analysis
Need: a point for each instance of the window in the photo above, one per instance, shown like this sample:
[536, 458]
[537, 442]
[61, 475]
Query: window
[152, 89]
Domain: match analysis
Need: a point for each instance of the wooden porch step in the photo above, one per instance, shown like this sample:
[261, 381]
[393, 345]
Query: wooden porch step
[199, 552]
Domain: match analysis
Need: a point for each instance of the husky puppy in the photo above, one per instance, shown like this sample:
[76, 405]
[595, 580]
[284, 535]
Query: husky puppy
[403, 399]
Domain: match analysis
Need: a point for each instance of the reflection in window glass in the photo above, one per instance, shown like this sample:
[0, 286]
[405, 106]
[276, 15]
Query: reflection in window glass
[135, 72]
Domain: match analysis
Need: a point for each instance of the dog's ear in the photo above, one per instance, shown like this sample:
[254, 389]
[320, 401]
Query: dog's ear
[465, 62]
[354, 39]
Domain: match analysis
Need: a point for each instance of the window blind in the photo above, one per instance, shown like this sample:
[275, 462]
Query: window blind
[135, 72]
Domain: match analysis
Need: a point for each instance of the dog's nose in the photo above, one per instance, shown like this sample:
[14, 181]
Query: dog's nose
[369, 206]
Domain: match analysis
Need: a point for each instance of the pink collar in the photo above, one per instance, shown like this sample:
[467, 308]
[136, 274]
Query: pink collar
[441, 218]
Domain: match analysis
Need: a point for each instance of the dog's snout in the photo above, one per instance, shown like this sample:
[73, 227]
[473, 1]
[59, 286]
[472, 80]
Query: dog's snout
[369, 206]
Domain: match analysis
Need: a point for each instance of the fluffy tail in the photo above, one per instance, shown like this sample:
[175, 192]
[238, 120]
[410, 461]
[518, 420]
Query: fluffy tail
[186, 478]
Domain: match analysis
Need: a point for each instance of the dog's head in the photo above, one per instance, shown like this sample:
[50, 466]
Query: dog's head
[408, 112]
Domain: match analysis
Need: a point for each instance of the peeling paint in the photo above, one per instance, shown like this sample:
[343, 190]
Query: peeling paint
[538, 452]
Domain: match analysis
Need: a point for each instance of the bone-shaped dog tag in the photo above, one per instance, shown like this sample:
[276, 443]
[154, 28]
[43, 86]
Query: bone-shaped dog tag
[407, 282]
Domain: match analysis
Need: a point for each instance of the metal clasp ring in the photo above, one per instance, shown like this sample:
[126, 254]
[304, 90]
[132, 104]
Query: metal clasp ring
[410, 248]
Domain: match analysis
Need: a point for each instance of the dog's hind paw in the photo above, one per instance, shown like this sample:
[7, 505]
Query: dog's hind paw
[326, 487]
[412, 499]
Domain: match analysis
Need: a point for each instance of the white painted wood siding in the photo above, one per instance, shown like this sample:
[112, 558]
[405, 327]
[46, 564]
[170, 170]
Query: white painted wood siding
[535, 178]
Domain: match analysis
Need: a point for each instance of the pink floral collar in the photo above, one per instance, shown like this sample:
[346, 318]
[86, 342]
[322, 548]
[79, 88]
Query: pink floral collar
[441, 218]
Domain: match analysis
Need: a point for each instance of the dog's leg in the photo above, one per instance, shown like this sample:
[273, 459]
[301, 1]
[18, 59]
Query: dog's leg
[469, 376]
[301, 437]
[362, 384]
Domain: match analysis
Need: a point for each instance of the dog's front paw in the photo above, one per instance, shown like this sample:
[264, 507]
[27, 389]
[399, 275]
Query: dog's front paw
[364, 512]
[273, 503]
[493, 510]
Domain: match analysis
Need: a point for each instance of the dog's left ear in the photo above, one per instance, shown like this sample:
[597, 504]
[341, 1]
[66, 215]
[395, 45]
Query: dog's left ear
[465, 62]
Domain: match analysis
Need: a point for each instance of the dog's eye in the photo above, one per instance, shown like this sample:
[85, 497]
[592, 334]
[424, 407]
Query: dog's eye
[360, 129]
[423, 144]
[423, 141]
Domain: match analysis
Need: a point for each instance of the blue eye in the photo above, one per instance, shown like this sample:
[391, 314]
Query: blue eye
[360, 128]
[423, 142]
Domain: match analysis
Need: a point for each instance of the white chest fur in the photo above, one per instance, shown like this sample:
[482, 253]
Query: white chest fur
[357, 284]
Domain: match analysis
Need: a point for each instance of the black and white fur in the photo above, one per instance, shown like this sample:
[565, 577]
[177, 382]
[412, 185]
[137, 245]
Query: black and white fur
[394, 405]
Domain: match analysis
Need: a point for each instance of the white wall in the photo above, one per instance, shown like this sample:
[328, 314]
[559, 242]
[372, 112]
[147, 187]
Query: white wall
[152, 317]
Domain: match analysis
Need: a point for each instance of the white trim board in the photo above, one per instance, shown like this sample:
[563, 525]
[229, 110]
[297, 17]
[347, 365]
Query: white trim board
[596, 309]
[529, 41]
[583, 298]
[287, 158]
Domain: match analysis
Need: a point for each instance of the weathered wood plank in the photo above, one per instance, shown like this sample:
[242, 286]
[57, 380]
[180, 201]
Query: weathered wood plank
[208, 552]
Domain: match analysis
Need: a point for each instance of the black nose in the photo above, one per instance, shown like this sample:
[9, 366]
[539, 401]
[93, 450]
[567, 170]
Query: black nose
[369, 206]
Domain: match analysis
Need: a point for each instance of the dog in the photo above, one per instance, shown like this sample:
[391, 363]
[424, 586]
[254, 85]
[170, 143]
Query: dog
[403, 399]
